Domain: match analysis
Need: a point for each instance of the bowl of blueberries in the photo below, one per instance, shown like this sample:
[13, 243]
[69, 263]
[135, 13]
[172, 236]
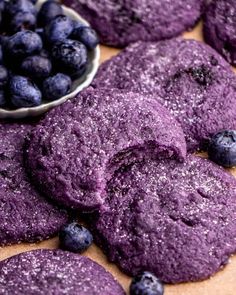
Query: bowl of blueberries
[48, 54]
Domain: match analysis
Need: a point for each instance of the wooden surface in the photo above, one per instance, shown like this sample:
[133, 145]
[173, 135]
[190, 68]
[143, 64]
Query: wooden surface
[223, 283]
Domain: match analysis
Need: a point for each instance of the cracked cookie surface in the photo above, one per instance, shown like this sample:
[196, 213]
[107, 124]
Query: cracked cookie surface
[79, 145]
[174, 219]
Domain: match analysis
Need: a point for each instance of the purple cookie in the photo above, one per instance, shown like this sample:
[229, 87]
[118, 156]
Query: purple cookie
[220, 28]
[25, 216]
[192, 80]
[78, 146]
[177, 220]
[120, 23]
[55, 272]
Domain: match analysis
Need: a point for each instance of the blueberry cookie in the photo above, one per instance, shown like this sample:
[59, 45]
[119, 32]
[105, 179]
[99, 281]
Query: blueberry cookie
[176, 220]
[120, 23]
[55, 272]
[25, 216]
[78, 146]
[192, 80]
[220, 28]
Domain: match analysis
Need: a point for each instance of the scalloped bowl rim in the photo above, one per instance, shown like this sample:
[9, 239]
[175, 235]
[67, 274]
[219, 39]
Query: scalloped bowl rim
[44, 107]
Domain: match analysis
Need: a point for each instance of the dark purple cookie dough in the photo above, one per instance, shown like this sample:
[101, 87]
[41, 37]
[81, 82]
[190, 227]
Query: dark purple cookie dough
[55, 272]
[191, 79]
[25, 216]
[78, 146]
[220, 28]
[177, 220]
[120, 23]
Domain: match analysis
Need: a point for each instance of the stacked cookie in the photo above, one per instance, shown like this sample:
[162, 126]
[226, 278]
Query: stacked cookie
[121, 157]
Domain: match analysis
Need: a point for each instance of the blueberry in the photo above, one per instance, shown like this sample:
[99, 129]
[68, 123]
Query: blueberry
[48, 11]
[24, 93]
[75, 238]
[3, 77]
[36, 67]
[222, 148]
[86, 35]
[71, 57]
[22, 21]
[2, 99]
[15, 6]
[59, 29]
[56, 86]
[146, 284]
[23, 44]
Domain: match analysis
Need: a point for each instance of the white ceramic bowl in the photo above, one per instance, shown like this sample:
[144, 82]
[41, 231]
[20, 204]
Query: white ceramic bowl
[77, 86]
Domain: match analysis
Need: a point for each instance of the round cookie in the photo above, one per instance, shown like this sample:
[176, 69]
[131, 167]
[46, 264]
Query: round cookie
[120, 23]
[79, 145]
[55, 272]
[191, 79]
[25, 216]
[174, 219]
[220, 28]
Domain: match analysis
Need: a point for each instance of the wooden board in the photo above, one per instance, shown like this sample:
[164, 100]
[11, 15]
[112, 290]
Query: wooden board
[223, 283]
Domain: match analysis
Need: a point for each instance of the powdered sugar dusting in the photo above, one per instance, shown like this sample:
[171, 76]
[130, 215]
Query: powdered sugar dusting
[188, 77]
[77, 147]
[55, 272]
[175, 219]
[25, 215]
